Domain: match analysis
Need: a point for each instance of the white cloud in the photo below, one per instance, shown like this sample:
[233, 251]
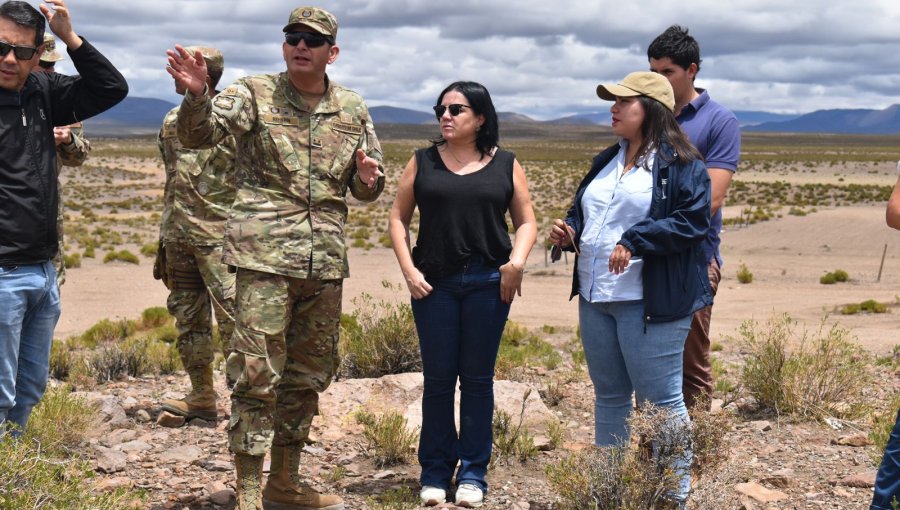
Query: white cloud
[539, 58]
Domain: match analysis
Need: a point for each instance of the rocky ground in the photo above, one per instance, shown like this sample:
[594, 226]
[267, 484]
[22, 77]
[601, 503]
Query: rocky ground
[773, 464]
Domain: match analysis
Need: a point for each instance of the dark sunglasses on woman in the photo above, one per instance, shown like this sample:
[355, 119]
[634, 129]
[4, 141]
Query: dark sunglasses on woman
[455, 109]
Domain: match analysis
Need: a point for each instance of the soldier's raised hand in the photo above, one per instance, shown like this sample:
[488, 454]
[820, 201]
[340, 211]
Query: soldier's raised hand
[367, 168]
[189, 71]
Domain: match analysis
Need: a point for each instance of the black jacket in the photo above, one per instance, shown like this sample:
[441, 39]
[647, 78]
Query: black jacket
[675, 278]
[28, 186]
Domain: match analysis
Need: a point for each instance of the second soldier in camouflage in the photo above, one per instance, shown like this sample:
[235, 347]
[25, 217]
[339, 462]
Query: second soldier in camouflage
[198, 196]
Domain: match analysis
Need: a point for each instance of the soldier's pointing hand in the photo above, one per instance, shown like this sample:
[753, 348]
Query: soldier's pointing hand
[188, 70]
[367, 168]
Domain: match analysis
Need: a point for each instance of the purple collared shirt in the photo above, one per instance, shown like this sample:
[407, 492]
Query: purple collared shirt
[715, 131]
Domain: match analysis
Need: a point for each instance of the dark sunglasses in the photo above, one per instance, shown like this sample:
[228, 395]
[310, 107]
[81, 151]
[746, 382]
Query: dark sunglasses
[311, 39]
[21, 52]
[455, 109]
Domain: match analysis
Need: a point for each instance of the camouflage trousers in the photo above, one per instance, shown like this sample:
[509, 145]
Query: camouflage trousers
[59, 260]
[285, 338]
[199, 284]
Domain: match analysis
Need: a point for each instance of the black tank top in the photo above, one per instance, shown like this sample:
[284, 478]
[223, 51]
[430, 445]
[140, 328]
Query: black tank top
[461, 215]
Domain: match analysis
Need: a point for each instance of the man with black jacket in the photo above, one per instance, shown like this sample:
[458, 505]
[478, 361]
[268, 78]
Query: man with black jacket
[30, 106]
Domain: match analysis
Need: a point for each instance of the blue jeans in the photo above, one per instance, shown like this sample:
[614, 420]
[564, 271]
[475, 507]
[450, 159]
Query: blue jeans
[887, 482]
[622, 358]
[29, 309]
[459, 324]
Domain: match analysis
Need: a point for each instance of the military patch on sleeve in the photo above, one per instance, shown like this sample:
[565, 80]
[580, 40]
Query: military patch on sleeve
[169, 130]
[283, 120]
[346, 127]
[224, 103]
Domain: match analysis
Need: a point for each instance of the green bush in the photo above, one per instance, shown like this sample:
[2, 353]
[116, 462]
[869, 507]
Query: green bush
[108, 363]
[61, 359]
[869, 306]
[150, 249]
[72, 260]
[841, 275]
[744, 275]
[155, 317]
[802, 374]
[828, 279]
[123, 255]
[106, 331]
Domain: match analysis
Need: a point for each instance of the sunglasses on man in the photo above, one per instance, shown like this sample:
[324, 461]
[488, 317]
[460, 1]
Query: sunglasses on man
[311, 39]
[455, 109]
[21, 52]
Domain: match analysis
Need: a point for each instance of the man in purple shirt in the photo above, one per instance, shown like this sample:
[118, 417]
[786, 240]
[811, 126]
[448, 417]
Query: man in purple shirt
[714, 130]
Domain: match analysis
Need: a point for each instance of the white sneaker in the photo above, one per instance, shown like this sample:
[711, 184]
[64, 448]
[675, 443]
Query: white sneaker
[432, 496]
[469, 496]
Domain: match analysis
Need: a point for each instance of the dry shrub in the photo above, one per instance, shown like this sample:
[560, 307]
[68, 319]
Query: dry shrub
[882, 426]
[41, 470]
[623, 477]
[802, 374]
[378, 338]
[512, 441]
[388, 440]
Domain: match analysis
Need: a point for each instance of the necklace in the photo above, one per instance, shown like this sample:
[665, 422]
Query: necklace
[453, 155]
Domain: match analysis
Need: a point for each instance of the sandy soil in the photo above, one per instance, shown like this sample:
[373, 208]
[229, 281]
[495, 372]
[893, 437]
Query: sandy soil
[786, 256]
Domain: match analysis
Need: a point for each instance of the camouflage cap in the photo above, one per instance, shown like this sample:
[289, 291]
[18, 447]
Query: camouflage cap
[50, 54]
[215, 62]
[315, 18]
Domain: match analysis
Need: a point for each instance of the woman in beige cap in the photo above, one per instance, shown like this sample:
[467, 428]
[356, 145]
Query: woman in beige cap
[637, 221]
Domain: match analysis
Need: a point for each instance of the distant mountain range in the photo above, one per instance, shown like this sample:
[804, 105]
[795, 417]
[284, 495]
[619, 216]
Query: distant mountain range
[141, 116]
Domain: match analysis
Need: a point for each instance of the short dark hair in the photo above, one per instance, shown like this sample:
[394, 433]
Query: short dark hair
[23, 14]
[488, 136]
[677, 44]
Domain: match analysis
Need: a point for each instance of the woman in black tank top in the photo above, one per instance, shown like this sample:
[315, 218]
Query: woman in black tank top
[462, 275]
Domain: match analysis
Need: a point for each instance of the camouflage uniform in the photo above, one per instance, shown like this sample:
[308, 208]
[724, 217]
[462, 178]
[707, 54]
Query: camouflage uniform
[286, 237]
[73, 153]
[198, 196]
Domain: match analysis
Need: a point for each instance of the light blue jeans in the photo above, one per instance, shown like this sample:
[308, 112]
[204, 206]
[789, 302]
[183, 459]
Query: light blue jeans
[624, 355]
[29, 309]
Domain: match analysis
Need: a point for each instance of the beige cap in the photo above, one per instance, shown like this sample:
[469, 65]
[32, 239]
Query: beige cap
[50, 54]
[215, 63]
[315, 18]
[642, 83]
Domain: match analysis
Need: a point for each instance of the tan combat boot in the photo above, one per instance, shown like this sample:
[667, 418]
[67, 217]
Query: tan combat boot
[283, 488]
[201, 401]
[249, 481]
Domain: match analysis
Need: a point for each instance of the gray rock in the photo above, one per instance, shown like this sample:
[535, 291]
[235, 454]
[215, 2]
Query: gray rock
[142, 416]
[181, 454]
[110, 460]
[133, 446]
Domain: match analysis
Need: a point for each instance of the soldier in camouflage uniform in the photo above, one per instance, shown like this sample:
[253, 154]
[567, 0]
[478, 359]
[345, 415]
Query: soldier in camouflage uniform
[71, 149]
[303, 141]
[198, 196]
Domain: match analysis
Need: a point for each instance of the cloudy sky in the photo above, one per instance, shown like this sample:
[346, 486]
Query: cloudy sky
[540, 58]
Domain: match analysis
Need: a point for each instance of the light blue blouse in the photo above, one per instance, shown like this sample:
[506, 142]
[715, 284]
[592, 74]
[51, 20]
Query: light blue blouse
[612, 203]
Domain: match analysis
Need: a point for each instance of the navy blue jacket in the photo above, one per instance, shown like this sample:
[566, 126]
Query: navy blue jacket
[676, 282]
